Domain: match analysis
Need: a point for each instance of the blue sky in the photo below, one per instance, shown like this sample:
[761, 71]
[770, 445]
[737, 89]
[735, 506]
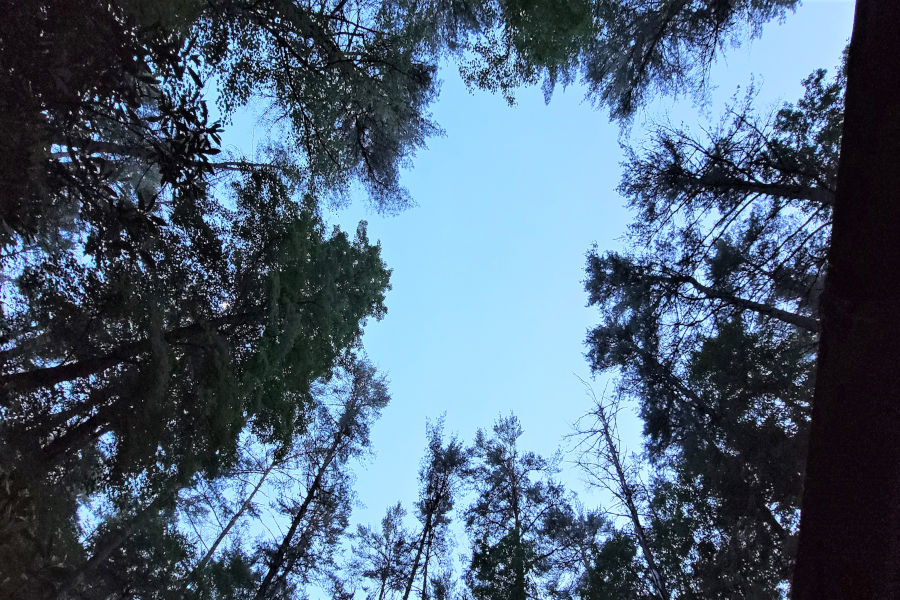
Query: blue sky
[487, 311]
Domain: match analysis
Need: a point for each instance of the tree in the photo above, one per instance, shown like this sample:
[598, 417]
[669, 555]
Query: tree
[849, 525]
[737, 223]
[350, 81]
[713, 328]
[384, 556]
[107, 121]
[321, 513]
[512, 519]
[601, 459]
[439, 479]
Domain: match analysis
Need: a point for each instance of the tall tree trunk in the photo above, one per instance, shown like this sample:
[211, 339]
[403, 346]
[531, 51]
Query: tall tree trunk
[850, 522]
[234, 519]
[278, 559]
[520, 591]
[428, 547]
[626, 493]
[426, 529]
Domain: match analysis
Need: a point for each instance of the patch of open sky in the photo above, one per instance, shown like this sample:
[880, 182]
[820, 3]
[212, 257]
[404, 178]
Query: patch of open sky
[487, 309]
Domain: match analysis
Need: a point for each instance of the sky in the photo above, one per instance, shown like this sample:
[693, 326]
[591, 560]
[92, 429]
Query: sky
[487, 313]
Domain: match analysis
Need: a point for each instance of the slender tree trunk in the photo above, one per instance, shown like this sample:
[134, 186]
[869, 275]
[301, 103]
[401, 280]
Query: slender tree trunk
[426, 528]
[302, 543]
[428, 547]
[627, 495]
[234, 519]
[849, 543]
[278, 559]
[800, 321]
[383, 587]
[519, 587]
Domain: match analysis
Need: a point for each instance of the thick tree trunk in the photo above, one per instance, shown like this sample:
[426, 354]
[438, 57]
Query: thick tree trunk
[27, 381]
[850, 522]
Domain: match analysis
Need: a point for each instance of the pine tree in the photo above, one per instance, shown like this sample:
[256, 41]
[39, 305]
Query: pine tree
[511, 521]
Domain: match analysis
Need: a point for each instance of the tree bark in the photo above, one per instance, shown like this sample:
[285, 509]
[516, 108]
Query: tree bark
[849, 543]
[815, 194]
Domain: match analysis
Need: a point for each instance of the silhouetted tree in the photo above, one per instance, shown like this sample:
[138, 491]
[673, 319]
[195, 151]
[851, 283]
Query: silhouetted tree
[511, 521]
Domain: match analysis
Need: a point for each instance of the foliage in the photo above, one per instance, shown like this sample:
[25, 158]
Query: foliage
[513, 517]
[624, 51]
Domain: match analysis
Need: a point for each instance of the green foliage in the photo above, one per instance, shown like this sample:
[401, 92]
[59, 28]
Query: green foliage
[229, 576]
[625, 51]
[527, 43]
[614, 571]
[347, 79]
[646, 48]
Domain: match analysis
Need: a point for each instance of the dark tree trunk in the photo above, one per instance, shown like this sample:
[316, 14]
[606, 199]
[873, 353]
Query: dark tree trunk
[850, 525]
[797, 320]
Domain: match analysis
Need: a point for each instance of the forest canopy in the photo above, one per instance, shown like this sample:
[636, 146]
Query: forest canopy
[183, 386]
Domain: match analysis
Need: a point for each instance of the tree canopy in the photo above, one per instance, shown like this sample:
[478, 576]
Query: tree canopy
[181, 364]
